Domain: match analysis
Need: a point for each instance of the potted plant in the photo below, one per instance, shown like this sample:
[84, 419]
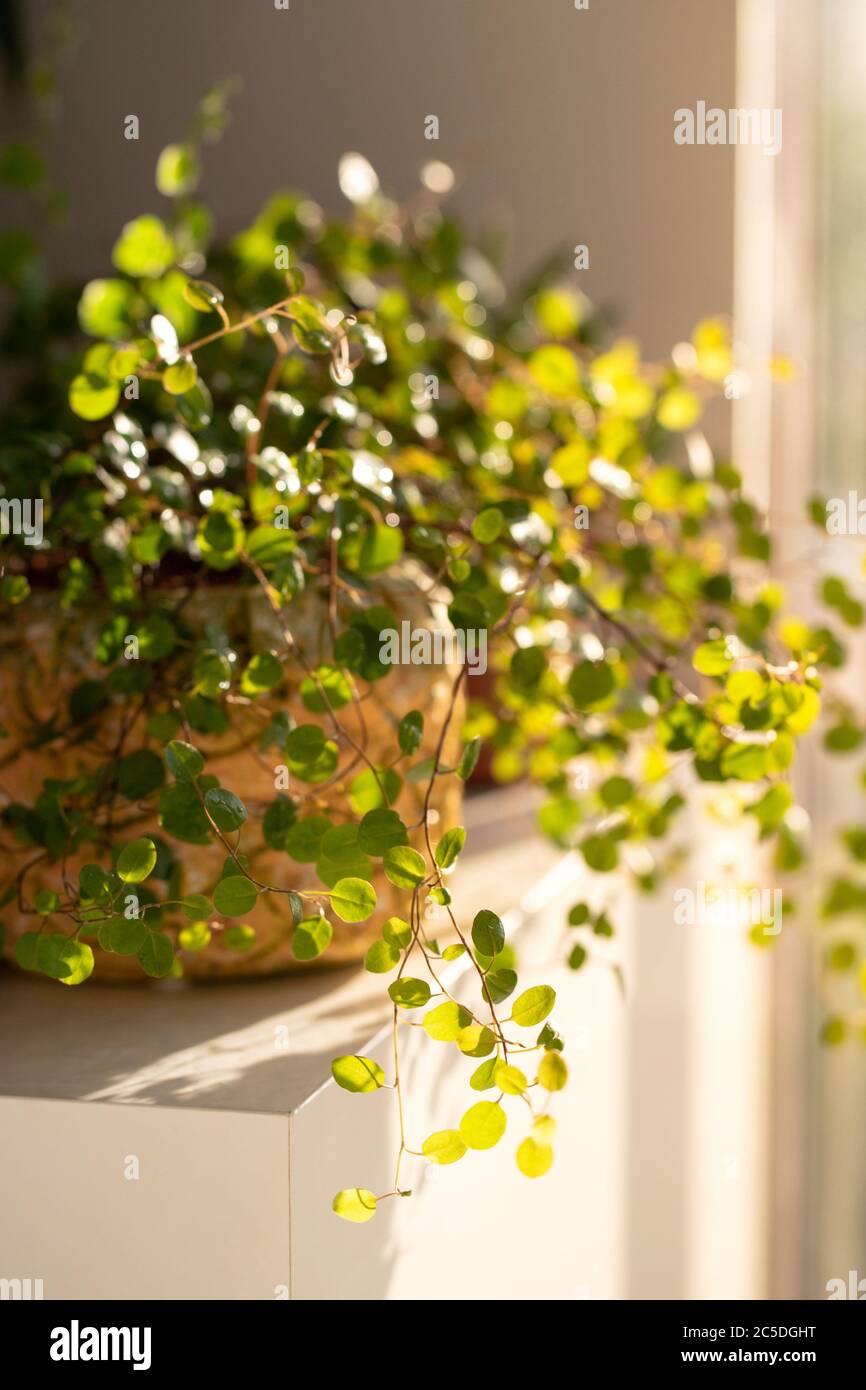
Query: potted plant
[260, 535]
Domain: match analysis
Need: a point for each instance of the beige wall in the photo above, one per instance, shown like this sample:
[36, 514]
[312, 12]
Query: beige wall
[559, 121]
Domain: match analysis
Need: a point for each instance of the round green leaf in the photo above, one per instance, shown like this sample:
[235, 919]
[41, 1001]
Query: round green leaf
[359, 1074]
[446, 1022]
[409, 993]
[397, 932]
[239, 938]
[450, 846]
[511, 1080]
[139, 774]
[714, 658]
[409, 732]
[475, 1040]
[156, 955]
[183, 761]
[500, 984]
[127, 935]
[353, 899]
[226, 810]
[590, 683]
[180, 377]
[533, 1005]
[483, 1125]
[445, 1146]
[488, 933]
[487, 526]
[235, 896]
[381, 830]
[484, 1077]
[93, 397]
[355, 1204]
[136, 860]
[381, 957]
[311, 937]
[194, 937]
[262, 673]
[404, 867]
[552, 1072]
[196, 907]
[534, 1159]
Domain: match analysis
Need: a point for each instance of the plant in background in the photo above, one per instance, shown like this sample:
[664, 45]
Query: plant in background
[269, 452]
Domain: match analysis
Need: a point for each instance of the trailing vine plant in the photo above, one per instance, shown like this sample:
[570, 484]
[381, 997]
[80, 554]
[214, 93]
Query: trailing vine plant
[309, 408]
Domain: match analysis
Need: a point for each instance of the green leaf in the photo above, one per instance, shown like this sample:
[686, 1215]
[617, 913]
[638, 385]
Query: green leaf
[226, 810]
[279, 818]
[488, 933]
[483, 1125]
[196, 907]
[240, 938]
[144, 248]
[77, 960]
[476, 1040]
[358, 1074]
[355, 1204]
[202, 295]
[590, 683]
[126, 935]
[94, 883]
[409, 993]
[445, 1146]
[533, 1005]
[381, 830]
[183, 761]
[397, 932]
[747, 762]
[616, 791]
[92, 397]
[180, 377]
[484, 1077]
[137, 860]
[381, 957]
[533, 1158]
[262, 673]
[27, 950]
[156, 956]
[555, 370]
[195, 937]
[353, 899]
[552, 1072]
[600, 853]
[449, 846]
[404, 867]
[177, 171]
[311, 937]
[47, 902]
[510, 1080]
[487, 526]
[328, 689]
[500, 984]
[235, 896]
[578, 957]
[469, 759]
[139, 774]
[410, 731]
[446, 1021]
[366, 790]
[527, 667]
[714, 658]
